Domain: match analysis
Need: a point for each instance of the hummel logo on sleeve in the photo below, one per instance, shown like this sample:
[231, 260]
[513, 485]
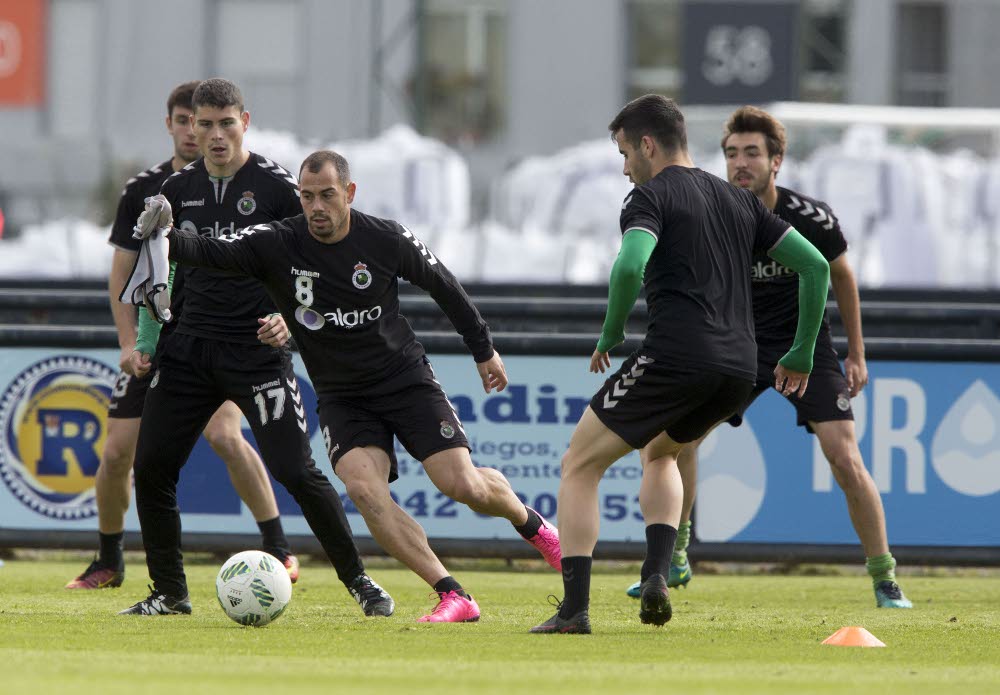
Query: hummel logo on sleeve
[424, 251]
[246, 231]
[278, 171]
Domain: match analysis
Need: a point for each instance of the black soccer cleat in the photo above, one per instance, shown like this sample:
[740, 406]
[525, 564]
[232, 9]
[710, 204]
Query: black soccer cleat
[160, 604]
[372, 598]
[654, 601]
[579, 624]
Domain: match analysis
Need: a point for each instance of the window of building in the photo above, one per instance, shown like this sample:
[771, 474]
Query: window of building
[654, 56]
[824, 53]
[460, 90]
[921, 54]
[653, 48]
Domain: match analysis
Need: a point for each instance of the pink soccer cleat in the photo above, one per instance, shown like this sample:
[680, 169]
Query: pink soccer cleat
[98, 576]
[453, 608]
[291, 564]
[546, 541]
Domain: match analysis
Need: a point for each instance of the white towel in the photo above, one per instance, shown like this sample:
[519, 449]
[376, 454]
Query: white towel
[147, 285]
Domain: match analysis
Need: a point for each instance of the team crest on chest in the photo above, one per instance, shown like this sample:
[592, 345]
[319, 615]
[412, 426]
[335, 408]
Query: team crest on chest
[362, 278]
[246, 205]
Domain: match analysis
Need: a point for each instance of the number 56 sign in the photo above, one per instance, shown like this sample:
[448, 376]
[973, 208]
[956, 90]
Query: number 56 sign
[739, 52]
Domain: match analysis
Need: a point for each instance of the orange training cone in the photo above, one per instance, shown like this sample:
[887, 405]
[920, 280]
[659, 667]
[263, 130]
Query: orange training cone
[853, 636]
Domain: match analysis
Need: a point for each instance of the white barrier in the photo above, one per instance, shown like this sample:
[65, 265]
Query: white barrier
[913, 217]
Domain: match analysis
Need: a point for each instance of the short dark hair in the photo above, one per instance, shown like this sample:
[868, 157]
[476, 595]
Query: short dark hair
[181, 96]
[317, 160]
[653, 115]
[219, 93]
[750, 119]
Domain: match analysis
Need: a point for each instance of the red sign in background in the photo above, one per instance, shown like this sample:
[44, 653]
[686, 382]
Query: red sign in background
[22, 52]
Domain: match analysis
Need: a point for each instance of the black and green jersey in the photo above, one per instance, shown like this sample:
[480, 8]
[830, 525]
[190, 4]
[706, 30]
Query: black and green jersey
[776, 288]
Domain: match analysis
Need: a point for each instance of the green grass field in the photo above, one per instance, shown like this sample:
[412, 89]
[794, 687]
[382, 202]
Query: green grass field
[733, 634]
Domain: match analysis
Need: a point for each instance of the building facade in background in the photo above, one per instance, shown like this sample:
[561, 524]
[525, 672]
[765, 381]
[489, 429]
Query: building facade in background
[81, 81]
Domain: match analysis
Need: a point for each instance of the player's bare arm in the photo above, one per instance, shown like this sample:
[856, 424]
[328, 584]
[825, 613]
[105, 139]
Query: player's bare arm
[845, 289]
[123, 314]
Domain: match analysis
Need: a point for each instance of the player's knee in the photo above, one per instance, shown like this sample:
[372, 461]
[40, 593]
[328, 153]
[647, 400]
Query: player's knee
[227, 445]
[117, 459]
[296, 479]
[469, 490]
[847, 466]
[572, 463]
[367, 495]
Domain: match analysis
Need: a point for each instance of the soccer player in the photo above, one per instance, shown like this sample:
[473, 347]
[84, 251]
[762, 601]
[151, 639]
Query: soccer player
[690, 236]
[215, 355]
[333, 272]
[114, 475]
[754, 144]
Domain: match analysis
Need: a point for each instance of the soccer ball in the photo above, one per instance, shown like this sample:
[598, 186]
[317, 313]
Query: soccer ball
[253, 588]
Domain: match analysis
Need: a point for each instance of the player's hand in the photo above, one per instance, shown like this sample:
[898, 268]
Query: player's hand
[125, 360]
[789, 382]
[273, 331]
[599, 361]
[140, 363]
[157, 215]
[856, 371]
[492, 373]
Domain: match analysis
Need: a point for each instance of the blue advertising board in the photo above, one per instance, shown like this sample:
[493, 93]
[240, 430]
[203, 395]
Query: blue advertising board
[929, 432]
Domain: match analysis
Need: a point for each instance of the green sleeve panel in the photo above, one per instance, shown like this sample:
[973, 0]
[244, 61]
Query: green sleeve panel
[624, 285]
[149, 328]
[794, 251]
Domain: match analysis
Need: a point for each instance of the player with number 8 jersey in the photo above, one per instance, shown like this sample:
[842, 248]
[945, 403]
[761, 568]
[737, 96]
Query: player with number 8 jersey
[334, 274]
[215, 354]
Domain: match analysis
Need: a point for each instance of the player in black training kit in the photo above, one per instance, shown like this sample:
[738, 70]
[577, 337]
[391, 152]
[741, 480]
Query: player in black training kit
[214, 355]
[754, 145]
[113, 483]
[333, 273]
[690, 237]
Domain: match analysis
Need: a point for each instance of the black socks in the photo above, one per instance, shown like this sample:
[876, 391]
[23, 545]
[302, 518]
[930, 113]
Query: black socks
[660, 540]
[273, 538]
[531, 526]
[449, 584]
[111, 549]
[576, 584]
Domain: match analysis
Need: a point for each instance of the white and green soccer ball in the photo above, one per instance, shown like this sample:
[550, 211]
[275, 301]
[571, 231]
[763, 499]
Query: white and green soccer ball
[253, 588]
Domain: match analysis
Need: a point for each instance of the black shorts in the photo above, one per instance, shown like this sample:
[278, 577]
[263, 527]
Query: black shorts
[411, 406]
[196, 375]
[645, 397]
[827, 395]
[128, 395]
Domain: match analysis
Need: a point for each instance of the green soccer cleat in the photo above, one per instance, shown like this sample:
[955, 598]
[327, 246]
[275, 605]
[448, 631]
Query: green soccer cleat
[680, 575]
[889, 595]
